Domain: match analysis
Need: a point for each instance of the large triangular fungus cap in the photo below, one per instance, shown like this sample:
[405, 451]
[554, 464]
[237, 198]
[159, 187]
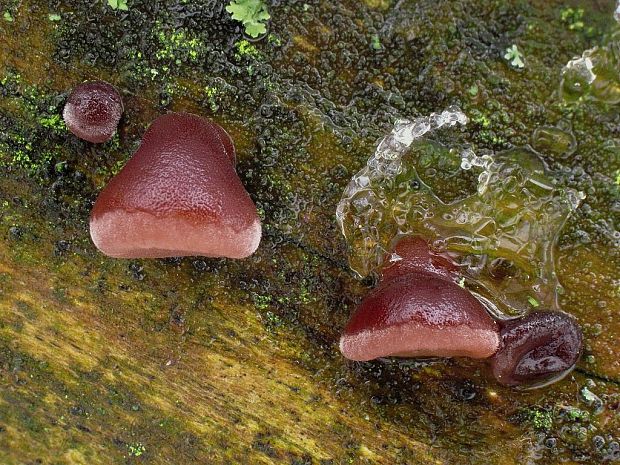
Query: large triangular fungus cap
[178, 195]
[419, 311]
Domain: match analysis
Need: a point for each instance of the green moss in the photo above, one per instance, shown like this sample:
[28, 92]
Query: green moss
[247, 49]
[576, 414]
[274, 40]
[211, 93]
[375, 42]
[514, 57]
[262, 302]
[540, 419]
[573, 18]
[533, 302]
[54, 122]
[20, 153]
[272, 321]
[178, 46]
[253, 14]
[11, 80]
[480, 118]
[118, 5]
[136, 450]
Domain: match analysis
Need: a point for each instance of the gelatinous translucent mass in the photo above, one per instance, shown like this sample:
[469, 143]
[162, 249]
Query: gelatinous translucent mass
[537, 349]
[93, 111]
[418, 310]
[595, 75]
[507, 229]
[178, 195]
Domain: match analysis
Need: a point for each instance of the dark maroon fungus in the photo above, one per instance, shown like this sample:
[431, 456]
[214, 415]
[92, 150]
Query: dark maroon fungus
[538, 348]
[418, 310]
[178, 195]
[93, 110]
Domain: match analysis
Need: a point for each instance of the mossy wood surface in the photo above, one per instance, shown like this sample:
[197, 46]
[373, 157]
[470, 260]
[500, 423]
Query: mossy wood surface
[204, 361]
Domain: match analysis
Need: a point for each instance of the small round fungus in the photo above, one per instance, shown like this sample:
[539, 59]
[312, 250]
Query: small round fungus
[178, 195]
[418, 310]
[537, 349]
[93, 110]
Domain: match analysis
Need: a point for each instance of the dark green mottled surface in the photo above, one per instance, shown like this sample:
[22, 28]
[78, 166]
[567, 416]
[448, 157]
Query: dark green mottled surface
[199, 361]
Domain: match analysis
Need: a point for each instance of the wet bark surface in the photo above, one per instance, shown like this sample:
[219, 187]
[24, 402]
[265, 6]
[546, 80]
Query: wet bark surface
[199, 360]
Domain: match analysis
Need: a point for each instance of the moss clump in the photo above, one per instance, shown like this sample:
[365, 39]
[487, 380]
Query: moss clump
[178, 46]
[54, 122]
[541, 419]
[247, 49]
[136, 450]
[262, 302]
[573, 18]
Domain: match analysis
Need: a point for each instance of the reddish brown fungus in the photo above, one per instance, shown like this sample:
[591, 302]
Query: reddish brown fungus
[413, 254]
[536, 349]
[93, 110]
[419, 311]
[178, 195]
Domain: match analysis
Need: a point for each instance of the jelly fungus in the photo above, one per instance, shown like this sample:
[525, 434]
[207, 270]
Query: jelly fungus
[93, 110]
[178, 195]
[537, 349]
[513, 218]
[499, 240]
[418, 310]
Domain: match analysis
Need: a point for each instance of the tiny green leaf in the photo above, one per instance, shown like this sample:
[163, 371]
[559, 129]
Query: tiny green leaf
[118, 4]
[252, 14]
[375, 42]
[515, 57]
[533, 302]
[255, 29]
[54, 17]
[8, 17]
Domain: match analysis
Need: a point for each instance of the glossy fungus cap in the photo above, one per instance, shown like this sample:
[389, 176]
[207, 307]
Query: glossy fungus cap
[538, 348]
[178, 195]
[93, 111]
[412, 253]
[419, 311]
